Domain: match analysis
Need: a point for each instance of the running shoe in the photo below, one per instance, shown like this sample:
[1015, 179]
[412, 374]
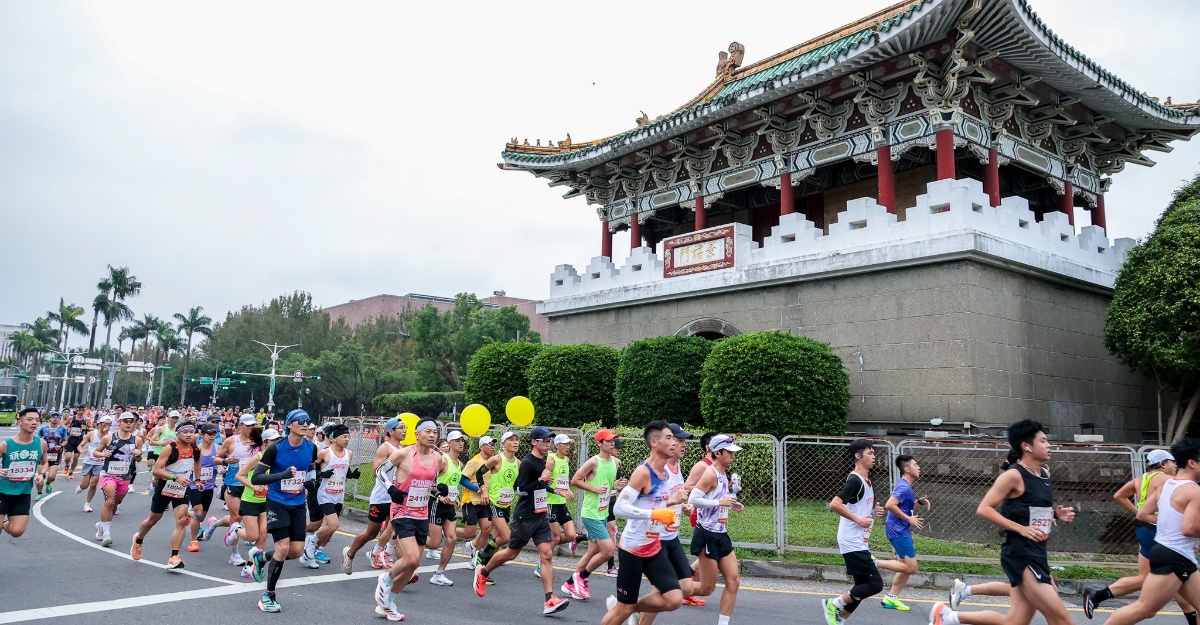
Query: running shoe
[194, 546]
[119, 508]
[833, 614]
[87, 507]
[471, 551]
[174, 562]
[260, 564]
[582, 584]
[480, 581]
[347, 561]
[569, 587]
[537, 571]
[321, 557]
[575, 546]
[430, 554]
[236, 559]
[208, 528]
[956, 593]
[310, 547]
[231, 534]
[440, 579]
[612, 571]
[938, 612]
[1089, 601]
[38, 498]
[247, 572]
[309, 562]
[383, 590]
[107, 541]
[377, 561]
[268, 603]
[78, 489]
[49, 488]
[99, 532]
[694, 600]
[248, 543]
[135, 551]
[414, 579]
[389, 558]
[893, 603]
[389, 612]
[554, 605]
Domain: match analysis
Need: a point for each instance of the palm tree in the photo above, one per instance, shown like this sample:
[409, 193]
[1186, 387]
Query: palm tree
[121, 338]
[68, 319]
[43, 340]
[134, 333]
[193, 323]
[147, 328]
[168, 341]
[121, 285]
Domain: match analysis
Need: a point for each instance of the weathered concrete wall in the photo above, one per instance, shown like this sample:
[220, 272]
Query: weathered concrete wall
[959, 340]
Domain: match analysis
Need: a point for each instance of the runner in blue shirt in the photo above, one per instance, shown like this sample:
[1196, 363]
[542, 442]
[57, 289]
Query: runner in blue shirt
[55, 436]
[898, 527]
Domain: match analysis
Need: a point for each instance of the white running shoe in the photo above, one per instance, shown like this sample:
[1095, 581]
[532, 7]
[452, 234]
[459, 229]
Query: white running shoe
[431, 554]
[99, 533]
[440, 579]
[389, 612]
[383, 590]
[309, 562]
[107, 541]
[956, 593]
[119, 508]
[310, 547]
[347, 561]
[87, 507]
[78, 489]
[208, 529]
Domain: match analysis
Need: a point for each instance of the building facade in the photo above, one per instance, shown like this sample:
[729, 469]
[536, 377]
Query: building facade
[911, 188]
[357, 312]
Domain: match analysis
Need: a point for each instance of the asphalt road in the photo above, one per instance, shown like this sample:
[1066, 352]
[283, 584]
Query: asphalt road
[58, 572]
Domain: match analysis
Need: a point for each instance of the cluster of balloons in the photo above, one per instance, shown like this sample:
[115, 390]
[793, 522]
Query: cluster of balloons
[475, 419]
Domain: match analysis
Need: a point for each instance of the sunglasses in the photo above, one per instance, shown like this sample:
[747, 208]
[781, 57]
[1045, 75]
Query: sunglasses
[304, 423]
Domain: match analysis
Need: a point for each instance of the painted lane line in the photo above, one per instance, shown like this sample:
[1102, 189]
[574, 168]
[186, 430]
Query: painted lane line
[92, 607]
[37, 513]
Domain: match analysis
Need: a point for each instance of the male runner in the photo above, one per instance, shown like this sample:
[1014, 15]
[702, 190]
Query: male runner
[77, 428]
[174, 471]
[855, 503]
[91, 464]
[710, 540]
[288, 462]
[529, 520]
[900, 520]
[561, 498]
[410, 475]
[678, 491]
[645, 502]
[1175, 506]
[120, 451]
[394, 431]
[24, 465]
[1161, 468]
[334, 464]
[55, 436]
[477, 509]
[200, 493]
[597, 478]
[1025, 498]
[501, 492]
[443, 524]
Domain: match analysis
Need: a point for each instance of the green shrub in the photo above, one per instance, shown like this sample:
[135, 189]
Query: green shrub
[420, 404]
[774, 383]
[754, 463]
[496, 374]
[573, 384]
[659, 378]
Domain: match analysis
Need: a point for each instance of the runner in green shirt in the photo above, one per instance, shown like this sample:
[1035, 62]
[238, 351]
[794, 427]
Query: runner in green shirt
[502, 491]
[562, 498]
[24, 464]
[597, 478]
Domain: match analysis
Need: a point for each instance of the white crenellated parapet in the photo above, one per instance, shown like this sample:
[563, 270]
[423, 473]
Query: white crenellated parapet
[642, 265]
[564, 278]
[862, 223]
[793, 229]
[1121, 249]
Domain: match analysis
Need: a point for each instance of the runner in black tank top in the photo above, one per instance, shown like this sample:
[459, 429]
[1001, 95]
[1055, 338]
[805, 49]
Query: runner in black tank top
[1021, 502]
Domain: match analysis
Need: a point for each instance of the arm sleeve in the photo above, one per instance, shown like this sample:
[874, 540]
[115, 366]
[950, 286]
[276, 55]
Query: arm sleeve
[529, 477]
[624, 507]
[381, 474]
[697, 498]
[468, 484]
[264, 476]
[852, 490]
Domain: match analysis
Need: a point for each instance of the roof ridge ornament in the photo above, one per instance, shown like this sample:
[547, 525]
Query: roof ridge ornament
[729, 62]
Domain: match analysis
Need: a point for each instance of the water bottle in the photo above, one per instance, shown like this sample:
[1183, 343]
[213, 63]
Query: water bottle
[735, 484]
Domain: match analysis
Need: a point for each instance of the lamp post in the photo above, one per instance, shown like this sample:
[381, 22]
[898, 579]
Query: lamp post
[275, 350]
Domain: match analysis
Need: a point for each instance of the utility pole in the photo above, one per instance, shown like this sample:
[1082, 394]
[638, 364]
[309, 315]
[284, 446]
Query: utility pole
[275, 350]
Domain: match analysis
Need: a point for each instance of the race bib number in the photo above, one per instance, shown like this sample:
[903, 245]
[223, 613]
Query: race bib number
[539, 501]
[206, 474]
[76, 432]
[723, 514]
[174, 490]
[506, 497]
[292, 485]
[562, 482]
[335, 485]
[260, 491]
[418, 498]
[1041, 518]
[21, 471]
[118, 467]
[453, 493]
[52, 456]
[602, 501]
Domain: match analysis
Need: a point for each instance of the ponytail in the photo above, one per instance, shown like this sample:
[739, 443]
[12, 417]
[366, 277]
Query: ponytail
[1014, 454]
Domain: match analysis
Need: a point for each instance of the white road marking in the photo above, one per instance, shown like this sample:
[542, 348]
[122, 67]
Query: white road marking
[20, 616]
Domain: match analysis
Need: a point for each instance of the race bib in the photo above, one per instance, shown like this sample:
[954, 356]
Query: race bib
[1041, 518]
[335, 485]
[260, 491]
[21, 471]
[76, 432]
[118, 467]
[174, 490]
[539, 501]
[292, 485]
[723, 514]
[453, 493]
[506, 497]
[418, 498]
[602, 501]
[562, 482]
[52, 456]
[206, 474]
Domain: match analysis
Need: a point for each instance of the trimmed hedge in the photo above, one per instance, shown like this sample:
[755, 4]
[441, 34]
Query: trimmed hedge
[421, 404]
[571, 385]
[496, 374]
[659, 378]
[775, 383]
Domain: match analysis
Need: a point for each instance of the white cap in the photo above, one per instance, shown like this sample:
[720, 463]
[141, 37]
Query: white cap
[507, 435]
[455, 435]
[174, 414]
[722, 442]
[1157, 456]
[248, 419]
[127, 415]
[561, 439]
[106, 419]
[270, 434]
[486, 440]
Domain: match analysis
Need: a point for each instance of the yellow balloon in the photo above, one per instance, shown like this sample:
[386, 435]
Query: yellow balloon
[475, 420]
[519, 410]
[410, 428]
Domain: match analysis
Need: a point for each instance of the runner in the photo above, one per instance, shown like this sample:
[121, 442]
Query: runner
[55, 436]
[200, 493]
[1161, 468]
[477, 509]
[252, 528]
[120, 451]
[334, 464]
[501, 492]
[91, 464]
[644, 502]
[242, 443]
[900, 519]
[561, 498]
[77, 428]
[855, 503]
[710, 540]
[25, 465]
[678, 491]
[443, 525]
[1025, 498]
[611, 522]
[394, 431]
[174, 472]
[288, 462]
[1175, 507]
[410, 475]
[597, 478]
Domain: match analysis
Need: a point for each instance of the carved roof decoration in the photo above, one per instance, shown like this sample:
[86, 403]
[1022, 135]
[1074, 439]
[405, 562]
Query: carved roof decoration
[1007, 28]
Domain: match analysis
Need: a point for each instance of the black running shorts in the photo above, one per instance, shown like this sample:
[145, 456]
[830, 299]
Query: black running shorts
[1167, 561]
[444, 513]
[328, 509]
[15, 505]
[1014, 568]
[678, 558]
[202, 498]
[472, 512]
[560, 513]
[714, 545]
[536, 529]
[286, 522]
[657, 568]
[411, 528]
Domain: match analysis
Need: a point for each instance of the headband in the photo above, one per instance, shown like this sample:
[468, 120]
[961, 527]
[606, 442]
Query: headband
[425, 425]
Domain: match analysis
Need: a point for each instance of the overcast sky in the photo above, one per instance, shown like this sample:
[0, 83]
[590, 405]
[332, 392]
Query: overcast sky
[228, 152]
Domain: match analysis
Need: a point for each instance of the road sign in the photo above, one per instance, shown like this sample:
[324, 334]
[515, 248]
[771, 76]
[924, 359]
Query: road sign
[43, 377]
[206, 381]
[297, 376]
[223, 381]
[79, 379]
[91, 379]
[165, 367]
[58, 361]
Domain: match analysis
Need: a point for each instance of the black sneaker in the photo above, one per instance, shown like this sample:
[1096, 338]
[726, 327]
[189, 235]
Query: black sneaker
[1089, 601]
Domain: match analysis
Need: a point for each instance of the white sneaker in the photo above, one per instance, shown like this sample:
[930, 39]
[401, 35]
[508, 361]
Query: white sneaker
[78, 489]
[383, 590]
[99, 534]
[309, 562]
[347, 561]
[119, 508]
[440, 579]
[430, 554]
[956, 595]
[87, 507]
[389, 612]
[310, 547]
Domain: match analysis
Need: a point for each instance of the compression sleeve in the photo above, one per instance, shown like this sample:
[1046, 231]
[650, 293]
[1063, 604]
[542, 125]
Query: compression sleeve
[468, 484]
[381, 474]
[262, 478]
[697, 498]
[624, 507]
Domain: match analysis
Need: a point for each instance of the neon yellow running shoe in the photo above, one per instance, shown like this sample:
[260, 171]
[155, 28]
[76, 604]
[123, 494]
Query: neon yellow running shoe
[893, 603]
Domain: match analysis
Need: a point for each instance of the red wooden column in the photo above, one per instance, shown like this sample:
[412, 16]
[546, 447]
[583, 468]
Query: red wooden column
[887, 178]
[1068, 201]
[635, 232]
[991, 177]
[787, 196]
[605, 240]
[945, 154]
[701, 214]
[1098, 213]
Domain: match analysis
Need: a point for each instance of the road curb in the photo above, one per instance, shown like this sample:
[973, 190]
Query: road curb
[354, 514]
[831, 573]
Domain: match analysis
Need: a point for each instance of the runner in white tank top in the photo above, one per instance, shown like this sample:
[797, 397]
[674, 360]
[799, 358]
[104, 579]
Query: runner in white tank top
[382, 554]
[335, 465]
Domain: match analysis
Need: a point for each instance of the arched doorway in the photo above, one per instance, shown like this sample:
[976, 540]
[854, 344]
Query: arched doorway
[709, 328]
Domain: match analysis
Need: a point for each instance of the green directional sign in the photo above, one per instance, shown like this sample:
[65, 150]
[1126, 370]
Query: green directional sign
[206, 380]
[223, 381]
[165, 367]
[58, 361]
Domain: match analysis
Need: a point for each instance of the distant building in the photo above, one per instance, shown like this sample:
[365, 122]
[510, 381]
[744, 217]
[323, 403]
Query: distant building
[360, 311]
[6, 346]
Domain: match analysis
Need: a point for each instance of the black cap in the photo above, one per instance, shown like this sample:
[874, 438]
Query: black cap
[209, 429]
[678, 432]
[617, 443]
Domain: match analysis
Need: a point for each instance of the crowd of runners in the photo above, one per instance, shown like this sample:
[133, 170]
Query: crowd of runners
[286, 482]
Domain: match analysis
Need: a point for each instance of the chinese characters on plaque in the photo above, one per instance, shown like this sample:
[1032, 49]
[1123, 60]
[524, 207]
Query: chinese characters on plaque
[695, 252]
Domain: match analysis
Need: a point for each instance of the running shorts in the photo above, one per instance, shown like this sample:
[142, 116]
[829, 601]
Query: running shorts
[285, 521]
[234, 491]
[331, 509]
[536, 529]
[903, 546]
[152, 456]
[678, 558]
[595, 529]
[73, 444]
[411, 528]
[714, 545]
[1145, 537]
[1014, 567]
[379, 512]
[15, 505]
[444, 513]
[560, 513]
[472, 512]
[91, 469]
[121, 486]
[1167, 561]
[252, 508]
[202, 498]
[501, 513]
[657, 568]
[314, 507]
[159, 502]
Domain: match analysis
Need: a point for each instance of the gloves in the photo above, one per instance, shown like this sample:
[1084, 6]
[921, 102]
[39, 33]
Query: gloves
[666, 516]
[443, 490]
[354, 473]
[398, 496]
[326, 474]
